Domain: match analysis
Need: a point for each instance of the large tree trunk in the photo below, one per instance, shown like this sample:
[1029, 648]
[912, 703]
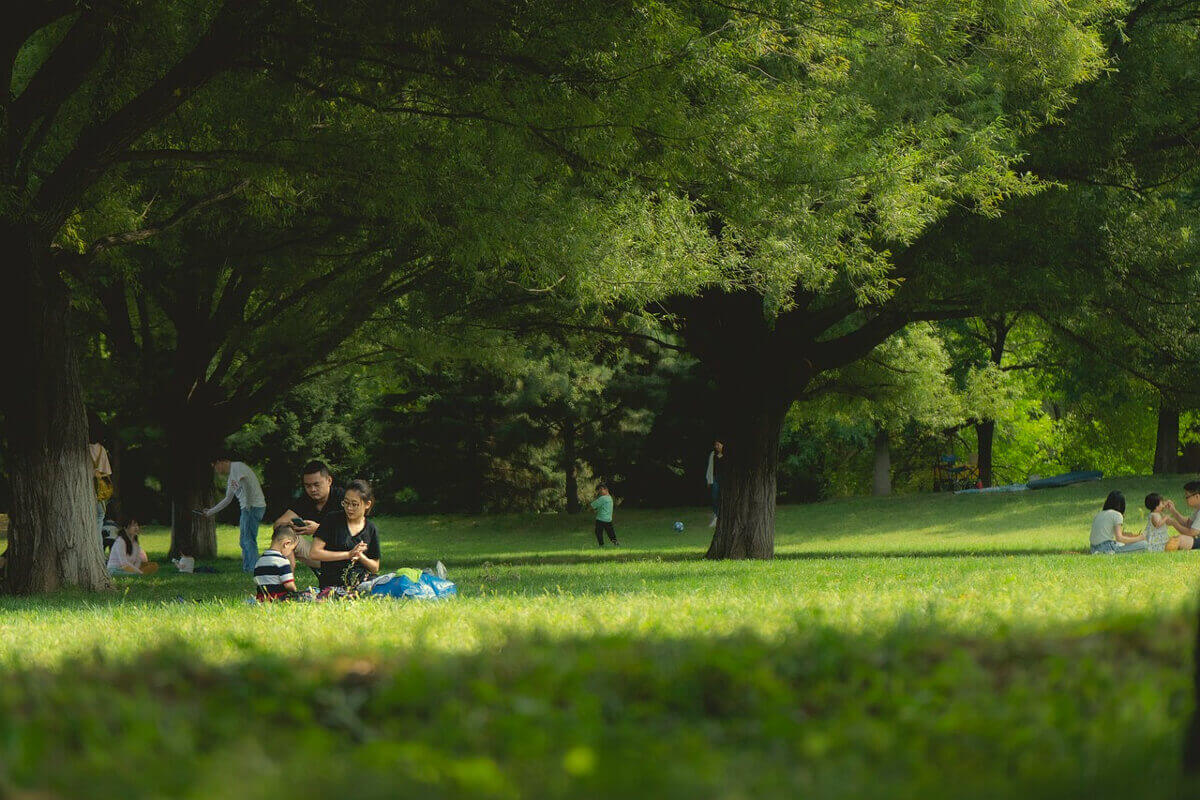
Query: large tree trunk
[52, 535]
[191, 487]
[882, 483]
[753, 422]
[985, 436]
[1166, 440]
[570, 467]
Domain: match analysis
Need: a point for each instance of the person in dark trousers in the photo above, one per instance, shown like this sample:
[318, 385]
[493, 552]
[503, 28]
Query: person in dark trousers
[716, 468]
[603, 505]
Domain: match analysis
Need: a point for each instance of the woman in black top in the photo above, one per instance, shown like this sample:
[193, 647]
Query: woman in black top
[347, 543]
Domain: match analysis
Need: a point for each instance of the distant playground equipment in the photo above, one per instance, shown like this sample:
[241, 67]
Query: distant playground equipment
[951, 476]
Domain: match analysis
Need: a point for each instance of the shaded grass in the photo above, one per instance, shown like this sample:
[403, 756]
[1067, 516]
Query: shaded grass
[901, 647]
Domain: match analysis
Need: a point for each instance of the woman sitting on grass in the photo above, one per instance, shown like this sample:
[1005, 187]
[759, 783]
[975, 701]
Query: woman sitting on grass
[1158, 528]
[1108, 535]
[127, 556]
[347, 543]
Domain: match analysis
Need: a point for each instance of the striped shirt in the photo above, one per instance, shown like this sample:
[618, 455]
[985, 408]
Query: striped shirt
[271, 572]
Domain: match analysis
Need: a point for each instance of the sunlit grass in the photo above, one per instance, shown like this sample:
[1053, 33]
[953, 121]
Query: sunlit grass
[936, 645]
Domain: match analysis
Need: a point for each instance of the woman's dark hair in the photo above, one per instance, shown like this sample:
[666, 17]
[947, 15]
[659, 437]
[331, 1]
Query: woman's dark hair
[1115, 502]
[1152, 500]
[125, 521]
[363, 487]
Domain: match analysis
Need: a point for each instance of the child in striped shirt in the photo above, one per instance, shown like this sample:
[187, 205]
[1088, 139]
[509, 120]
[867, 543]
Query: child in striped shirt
[274, 572]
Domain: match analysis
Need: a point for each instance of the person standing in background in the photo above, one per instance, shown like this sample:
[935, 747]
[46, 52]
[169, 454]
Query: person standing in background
[101, 471]
[713, 475]
[242, 484]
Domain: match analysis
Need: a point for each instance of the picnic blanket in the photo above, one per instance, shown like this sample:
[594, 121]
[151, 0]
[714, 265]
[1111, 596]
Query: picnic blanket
[403, 583]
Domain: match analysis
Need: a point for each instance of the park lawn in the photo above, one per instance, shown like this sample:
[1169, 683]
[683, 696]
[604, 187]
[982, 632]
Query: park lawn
[916, 646]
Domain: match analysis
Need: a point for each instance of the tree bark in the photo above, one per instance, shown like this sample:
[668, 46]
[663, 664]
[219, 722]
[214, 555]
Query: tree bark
[753, 423]
[985, 436]
[191, 487]
[1166, 440]
[53, 539]
[570, 467]
[882, 484]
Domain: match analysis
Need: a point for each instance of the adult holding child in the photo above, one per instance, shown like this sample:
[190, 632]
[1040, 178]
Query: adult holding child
[318, 498]
[1108, 529]
[243, 484]
[1188, 527]
[347, 543]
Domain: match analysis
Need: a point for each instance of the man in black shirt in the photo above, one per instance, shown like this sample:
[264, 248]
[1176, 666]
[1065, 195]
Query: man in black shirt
[320, 497]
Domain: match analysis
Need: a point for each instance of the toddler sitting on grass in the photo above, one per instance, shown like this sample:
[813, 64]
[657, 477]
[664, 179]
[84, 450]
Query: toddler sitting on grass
[1159, 537]
[274, 572]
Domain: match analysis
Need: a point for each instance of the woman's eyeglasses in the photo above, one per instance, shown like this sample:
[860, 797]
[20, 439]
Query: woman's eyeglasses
[351, 504]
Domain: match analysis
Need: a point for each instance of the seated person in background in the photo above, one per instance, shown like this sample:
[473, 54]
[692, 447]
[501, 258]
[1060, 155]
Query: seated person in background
[1189, 528]
[274, 571]
[347, 544]
[127, 556]
[1158, 528]
[1108, 534]
[319, 498]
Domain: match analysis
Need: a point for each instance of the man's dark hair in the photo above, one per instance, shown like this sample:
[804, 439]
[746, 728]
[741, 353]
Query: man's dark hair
[220, 455]
[1115, 502]
[1192, 487]
[603, 486]
[1152, 500]
[314, 467]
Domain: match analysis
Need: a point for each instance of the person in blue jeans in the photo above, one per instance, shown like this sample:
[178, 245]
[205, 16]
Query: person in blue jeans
[1108, 530]
[243, 484]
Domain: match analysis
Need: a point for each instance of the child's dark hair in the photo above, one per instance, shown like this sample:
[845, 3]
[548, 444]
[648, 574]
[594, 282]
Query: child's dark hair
[602, 487]
[1192, 487]
[284, 533]
[220, 455]
[1115, 502]
[363, 487]
[1152, 500]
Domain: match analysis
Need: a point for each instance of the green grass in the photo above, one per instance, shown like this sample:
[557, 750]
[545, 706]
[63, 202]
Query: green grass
[920, 646]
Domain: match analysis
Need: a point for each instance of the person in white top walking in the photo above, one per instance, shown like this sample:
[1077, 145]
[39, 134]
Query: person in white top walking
[243, 484]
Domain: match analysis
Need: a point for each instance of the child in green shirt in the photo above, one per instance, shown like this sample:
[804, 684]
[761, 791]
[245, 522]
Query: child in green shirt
[603, 504]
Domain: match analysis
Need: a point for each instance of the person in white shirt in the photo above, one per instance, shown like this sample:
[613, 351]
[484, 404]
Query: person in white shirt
[127, 556]
[242, 484]
[713, 475]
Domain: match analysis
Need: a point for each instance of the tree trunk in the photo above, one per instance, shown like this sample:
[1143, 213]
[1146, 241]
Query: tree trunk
[191, 487]
[985, 435]
[53, 539]
[753, 422]
[1166, 440]
[882, 485]
[570, 467]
